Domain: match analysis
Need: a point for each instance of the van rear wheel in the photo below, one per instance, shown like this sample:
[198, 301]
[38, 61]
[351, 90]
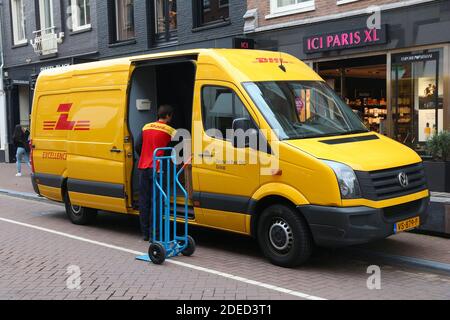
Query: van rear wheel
[78, 214]
[284, 236]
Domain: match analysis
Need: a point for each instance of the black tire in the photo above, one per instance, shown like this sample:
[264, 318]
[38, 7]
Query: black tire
[77, 214]
[157, 253]
[190, 249]
[284, 236]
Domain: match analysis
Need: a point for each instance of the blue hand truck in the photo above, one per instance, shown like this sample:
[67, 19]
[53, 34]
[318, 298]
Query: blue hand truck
[168, 244]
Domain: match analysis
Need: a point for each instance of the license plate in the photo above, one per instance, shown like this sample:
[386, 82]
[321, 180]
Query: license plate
[407, 224]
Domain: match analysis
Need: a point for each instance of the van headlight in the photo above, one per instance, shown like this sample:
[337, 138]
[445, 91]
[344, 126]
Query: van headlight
[346, 177]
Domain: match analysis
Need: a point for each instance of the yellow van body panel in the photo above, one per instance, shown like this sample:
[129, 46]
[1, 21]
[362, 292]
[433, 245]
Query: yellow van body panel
[98, 202]
[280, 189]
[50, 192]
[385, 203]
[225, 220]
[362, 155]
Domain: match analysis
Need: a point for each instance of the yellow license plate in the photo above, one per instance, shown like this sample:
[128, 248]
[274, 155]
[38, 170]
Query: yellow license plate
[407, 224]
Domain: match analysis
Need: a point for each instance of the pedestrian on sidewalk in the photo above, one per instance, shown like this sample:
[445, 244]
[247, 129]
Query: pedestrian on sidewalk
[22, 148]
[154, 135]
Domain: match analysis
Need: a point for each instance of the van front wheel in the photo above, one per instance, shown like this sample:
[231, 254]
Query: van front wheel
[78, 214]
[284, 236]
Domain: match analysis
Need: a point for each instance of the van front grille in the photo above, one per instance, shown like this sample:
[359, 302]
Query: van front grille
[385, 184]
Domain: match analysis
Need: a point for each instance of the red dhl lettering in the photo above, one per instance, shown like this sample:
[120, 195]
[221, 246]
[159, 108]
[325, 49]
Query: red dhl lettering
[54, 155]
[271, 60]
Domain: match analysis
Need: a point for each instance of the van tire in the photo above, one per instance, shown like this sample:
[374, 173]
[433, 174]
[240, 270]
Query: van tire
[77, 214]
[284, 236]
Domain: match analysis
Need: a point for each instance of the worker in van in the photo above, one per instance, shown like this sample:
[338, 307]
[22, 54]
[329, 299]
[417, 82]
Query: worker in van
[153, 135]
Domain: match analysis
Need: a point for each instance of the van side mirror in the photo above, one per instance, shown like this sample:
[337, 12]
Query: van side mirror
[244, 133]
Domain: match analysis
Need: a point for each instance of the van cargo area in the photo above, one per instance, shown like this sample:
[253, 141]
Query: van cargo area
[158, 83]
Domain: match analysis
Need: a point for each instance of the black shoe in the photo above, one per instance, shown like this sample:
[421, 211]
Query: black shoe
[146, 238]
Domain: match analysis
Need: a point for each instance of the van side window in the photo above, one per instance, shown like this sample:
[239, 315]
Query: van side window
[220, 106]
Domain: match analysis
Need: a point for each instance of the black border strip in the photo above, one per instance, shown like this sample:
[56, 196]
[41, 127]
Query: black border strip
[350, 139]
[224, 202]
[112, 190]
[49, 180]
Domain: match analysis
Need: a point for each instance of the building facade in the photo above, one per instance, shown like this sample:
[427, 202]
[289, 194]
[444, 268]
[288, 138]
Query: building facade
[3, 141]
[390, 60]
[161, 25]
[40, 34]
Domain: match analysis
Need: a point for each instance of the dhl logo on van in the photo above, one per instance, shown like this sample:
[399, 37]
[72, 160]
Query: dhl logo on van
[271, 60]
[63, 122]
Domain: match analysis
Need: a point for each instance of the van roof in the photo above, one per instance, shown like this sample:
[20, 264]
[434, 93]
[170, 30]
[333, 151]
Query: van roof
[242, 65]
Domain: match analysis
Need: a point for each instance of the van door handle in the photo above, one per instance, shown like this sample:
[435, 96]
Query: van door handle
[114, 149]
[206, 155]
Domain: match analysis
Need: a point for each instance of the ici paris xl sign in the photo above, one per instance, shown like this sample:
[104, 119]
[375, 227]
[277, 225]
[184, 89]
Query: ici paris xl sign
[344, 39]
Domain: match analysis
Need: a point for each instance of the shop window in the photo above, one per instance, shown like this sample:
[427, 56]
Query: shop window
[46, 16]
[165, 13]
[284, 7]
[81, 14]
[122, 20]
[18, 22]
[207, 12]
[417, 96]
[220, 106]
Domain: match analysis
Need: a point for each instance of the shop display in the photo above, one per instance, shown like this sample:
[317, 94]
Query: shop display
[373, 111]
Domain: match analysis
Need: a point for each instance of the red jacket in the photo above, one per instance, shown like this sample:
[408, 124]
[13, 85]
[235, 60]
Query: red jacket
[154, 135]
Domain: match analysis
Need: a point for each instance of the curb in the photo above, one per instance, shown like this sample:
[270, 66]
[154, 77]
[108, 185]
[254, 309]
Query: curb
[411, 262]
[25, 195]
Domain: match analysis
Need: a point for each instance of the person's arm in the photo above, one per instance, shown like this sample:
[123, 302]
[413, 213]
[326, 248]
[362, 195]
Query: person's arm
[138, 144]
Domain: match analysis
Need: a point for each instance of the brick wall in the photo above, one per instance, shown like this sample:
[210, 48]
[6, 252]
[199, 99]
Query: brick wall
[322, 8]
[73, 44]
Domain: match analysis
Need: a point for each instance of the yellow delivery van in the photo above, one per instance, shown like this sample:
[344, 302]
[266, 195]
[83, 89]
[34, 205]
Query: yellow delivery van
[325, 179]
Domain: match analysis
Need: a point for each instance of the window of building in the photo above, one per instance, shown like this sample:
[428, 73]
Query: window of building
[220, 106]
[122, 20]
[81, 14]
[211, 11]
[46, 16]
[341, 2]
[284, 7]
[165, 12]
[18, 22]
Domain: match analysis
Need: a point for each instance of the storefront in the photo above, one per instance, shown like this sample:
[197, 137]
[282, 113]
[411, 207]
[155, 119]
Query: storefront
[396, 76]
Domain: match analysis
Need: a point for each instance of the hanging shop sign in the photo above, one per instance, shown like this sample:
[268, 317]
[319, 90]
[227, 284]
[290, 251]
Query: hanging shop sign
[345, 39]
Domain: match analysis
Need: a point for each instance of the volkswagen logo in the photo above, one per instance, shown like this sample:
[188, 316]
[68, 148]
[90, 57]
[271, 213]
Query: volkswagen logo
[403, 179]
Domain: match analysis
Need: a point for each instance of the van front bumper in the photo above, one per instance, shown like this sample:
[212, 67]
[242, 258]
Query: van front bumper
[343, 226]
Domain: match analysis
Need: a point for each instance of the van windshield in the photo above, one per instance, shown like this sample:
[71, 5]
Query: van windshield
[303, 109]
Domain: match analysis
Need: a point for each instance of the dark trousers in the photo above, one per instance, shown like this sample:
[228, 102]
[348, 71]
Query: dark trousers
[145, 201]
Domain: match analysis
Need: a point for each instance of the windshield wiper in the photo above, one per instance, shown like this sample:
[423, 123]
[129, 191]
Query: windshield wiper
[356, 131]
[324, 135]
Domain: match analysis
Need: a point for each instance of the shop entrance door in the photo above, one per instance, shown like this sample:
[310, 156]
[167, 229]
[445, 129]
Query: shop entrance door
[416, 97]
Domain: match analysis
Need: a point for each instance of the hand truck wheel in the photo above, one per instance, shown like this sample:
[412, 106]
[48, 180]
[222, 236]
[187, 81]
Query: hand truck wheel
[190, 249]
[157, 253]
